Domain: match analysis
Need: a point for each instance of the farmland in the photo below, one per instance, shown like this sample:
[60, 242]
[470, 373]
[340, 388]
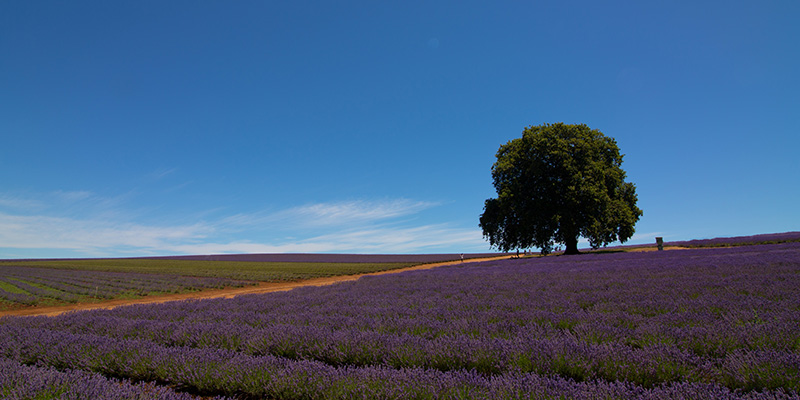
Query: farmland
[702, 323]
[31, 286]
[55, 282]
[770, 238]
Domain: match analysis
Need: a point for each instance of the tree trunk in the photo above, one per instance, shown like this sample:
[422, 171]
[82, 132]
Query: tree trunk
[572, 246]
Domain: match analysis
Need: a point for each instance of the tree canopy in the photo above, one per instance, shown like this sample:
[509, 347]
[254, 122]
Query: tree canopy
[556, 183]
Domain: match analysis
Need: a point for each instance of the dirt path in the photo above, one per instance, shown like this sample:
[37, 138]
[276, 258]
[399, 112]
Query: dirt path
[263, 287]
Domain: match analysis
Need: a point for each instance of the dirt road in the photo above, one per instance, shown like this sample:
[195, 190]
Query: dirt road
[264, 287]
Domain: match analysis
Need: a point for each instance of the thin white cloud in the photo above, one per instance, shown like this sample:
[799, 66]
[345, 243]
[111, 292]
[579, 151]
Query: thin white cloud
[345, 213]
[161, 173]
[341, 214]
[73, 196]
[90, 236]
[354, 227]
[20, 203]
[402, 240]
[421, 239]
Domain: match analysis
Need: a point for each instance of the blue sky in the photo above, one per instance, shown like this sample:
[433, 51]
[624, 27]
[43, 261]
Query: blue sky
[191, 127]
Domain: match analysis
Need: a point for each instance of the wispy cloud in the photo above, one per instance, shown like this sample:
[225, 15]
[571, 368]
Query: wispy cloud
[358, 226]
[92, 236]
[402, 240]
[17, 202]
[354, 211]
[421, 239]
[162, 173]
[342, 214]
[72, 196]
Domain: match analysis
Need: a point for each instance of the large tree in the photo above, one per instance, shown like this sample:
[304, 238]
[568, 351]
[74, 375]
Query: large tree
[555, 184]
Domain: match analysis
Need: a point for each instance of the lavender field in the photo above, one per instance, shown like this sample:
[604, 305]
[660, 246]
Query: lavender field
[769, 238]
[31, 286]
[25, 283]
[721, 323]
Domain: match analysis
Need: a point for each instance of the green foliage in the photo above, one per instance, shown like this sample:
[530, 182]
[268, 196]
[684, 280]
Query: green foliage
[245, 270]
[556, 183]
[10, 288]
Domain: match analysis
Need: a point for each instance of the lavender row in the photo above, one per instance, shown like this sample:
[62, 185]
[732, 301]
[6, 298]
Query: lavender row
[213, 371]
[22, 382]
[118, 279]
[717, 317]
[95, 287]
[693, 295]
[71, 285]
[20, 298]
[565, 356]
[40, 292]
[740, 240]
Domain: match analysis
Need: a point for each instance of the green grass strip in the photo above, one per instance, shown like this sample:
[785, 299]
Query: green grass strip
[244, 270]
[11, 288]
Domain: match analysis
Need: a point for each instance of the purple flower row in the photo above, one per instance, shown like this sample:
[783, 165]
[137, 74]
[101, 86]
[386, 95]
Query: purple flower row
[697, 318]
[208, 371]
[21, 298]
[22, 382]
[70, 285]
[740, 240]
[718, 319]
[545, 351]
[40, 292]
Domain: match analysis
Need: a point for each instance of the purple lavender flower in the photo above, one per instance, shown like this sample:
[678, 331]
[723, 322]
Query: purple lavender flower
[716, 323]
